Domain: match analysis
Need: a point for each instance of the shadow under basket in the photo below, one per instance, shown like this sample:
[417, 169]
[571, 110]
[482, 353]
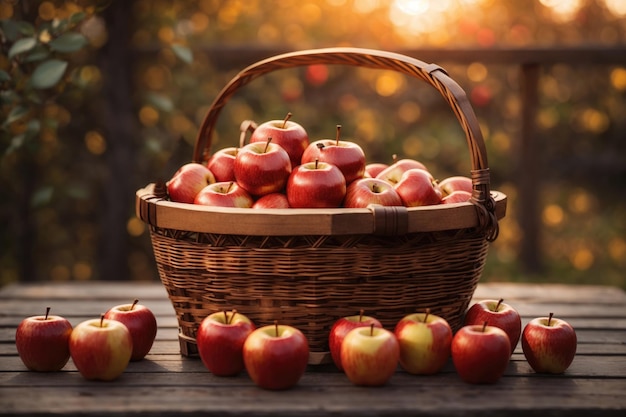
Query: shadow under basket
[309, 267]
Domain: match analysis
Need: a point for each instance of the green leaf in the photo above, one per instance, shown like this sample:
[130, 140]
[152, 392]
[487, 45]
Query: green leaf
[183, 53]
[38, 53]
[21, 46]
[77, 17]
[25, 28]
[48, 73]
[16, 143]
[15, 114]
[160, 102]
[4, 76]
[69, 42]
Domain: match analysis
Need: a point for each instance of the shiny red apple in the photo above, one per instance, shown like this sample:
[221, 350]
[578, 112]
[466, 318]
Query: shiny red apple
[455, 183]
[141, 324]
[339, 330]
[316, 185]
[499, 314]
[417, 187]
[291, 136]
[393, 172]
[549, 344]
[365, 191]
[374, 168]
[458, 196]
[224, 194]
[262, 167]
[272, 201]
[222, 164]
[187, 182]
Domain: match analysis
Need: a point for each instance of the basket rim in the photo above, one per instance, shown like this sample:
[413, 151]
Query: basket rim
[156, 210]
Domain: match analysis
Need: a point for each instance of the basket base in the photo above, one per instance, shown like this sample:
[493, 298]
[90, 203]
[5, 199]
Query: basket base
[189, 348]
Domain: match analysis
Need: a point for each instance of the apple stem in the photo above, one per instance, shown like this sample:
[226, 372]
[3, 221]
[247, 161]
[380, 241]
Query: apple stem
[276, 327]
[498, 305]
[372, 329]
[267, 145]
[134, 304]
[47, 312]
[229, 187]
[427, 313]
[550, 318]
[337, 135]
[287, 117]
[232, 316]
[394, 158]
[484, 326]
[317, 161]
[102, 320]
[361, 312]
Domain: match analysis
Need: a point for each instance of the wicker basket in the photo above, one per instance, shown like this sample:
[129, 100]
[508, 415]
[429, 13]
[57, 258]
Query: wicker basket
[308, 267]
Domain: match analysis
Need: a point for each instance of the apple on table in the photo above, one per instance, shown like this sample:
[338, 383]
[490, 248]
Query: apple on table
[291, 136]
[425, 341]
[187, 182]
[276, 356]
[316, 185]
[141, 324]
[220, 338]
[42, 342]
[549, 344]
[262, 167]
[496, 313]
[101, 348]
[224, 194]
[340, 329]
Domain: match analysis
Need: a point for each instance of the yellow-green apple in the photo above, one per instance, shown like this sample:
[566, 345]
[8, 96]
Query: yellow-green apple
[141, 324]
[549, 344]
[316, 185]
[290, 135]
[262, 167]
[393, 172]
[43, 342]
[365, 191]
[101, 348]
[496, 313]
[276, 356]
[340, 329]
[224, 194]
[374, 168]
[220, 338]
[187, 181]
[222, 163]
[417, 187]
[369, 355]
[480, 353]
[458, 196]
[272, 201]
[455, 183]
[345, 155]
[425, 340]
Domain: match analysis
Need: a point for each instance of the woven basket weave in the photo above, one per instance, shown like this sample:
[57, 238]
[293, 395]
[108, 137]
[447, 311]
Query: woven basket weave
[309, 267]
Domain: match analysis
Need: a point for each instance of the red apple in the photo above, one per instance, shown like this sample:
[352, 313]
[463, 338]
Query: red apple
[549, 344]
[290, 135]
[141, 324]
[271, 201]
[276, 356]
[455, 183]
[222, 164]
[224, 194]
[101, 348]
[262, 167]
[220, 338]
[187, 181]
[425, 341]
[345, 155]
[393, 172]
[374, 168]
[43, 342]
[370, 355]
[480, 353]
[339, 330]
[365, 191]
[417, 187]
[458, 196]
[499, 314]
[316, 185]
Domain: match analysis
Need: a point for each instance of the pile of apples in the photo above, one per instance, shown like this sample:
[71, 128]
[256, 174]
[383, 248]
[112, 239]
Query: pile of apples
[275, 356]
[101, 348]
[280, 168]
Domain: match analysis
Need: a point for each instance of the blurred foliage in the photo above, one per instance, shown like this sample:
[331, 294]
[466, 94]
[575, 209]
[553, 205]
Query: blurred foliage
[54, 155]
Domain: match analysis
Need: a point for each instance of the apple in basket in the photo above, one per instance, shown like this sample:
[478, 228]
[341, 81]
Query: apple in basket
[370, 355]
[101, 348]
[393, 172]
[222, 164]
[458, 196]
[141, 324]
[417, 187]
[272, 201]
[316, 185]
[455, 183]
[291, 136]
[374, 168]
[220, 340]
[262, 167]
[549, 344]
[224, 194]
[187, 182]
[496, 313]
[365, 191]
[480, 353]
[340, 329]
[42, 342]
[425, 340]
[276, 356]
[345, 155]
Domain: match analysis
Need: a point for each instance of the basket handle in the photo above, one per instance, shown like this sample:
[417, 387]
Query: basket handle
[432, 74]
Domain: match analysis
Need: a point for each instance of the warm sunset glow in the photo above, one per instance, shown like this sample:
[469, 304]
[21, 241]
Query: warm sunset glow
[563, 10]
[616, 7]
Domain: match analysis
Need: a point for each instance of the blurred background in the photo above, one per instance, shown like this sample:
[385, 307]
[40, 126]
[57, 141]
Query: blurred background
[100, 98]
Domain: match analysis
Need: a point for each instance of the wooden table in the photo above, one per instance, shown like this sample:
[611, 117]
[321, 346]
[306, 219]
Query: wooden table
[165, 383]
